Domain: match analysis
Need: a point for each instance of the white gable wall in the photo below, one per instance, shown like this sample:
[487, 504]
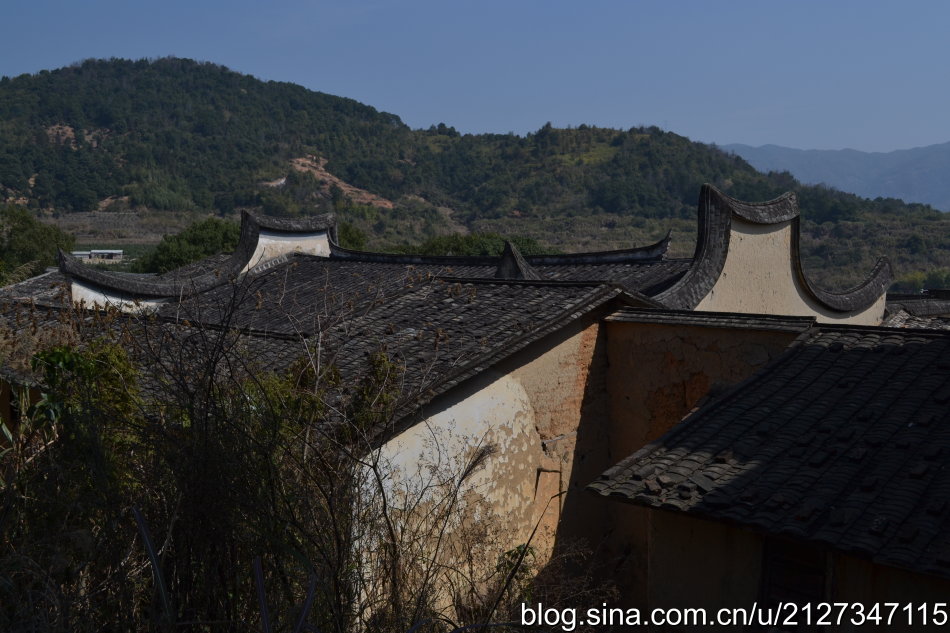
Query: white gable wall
[271, 244]
[759, 277]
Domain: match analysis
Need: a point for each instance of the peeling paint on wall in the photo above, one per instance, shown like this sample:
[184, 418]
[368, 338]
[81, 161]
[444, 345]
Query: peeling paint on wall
[658, 374]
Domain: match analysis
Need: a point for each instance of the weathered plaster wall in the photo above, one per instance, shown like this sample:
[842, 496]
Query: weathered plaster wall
[692, 562]
[568, 393]
[498, 414]
[658, 374]
[541, 408]
[90, 296]
[272, 244]
[759, 277]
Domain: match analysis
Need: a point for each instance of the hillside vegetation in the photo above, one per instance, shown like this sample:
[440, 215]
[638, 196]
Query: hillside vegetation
[173, 135]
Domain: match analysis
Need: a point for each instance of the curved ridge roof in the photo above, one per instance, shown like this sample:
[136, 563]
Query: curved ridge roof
[637, 254]
[716, 210]
[146, 285]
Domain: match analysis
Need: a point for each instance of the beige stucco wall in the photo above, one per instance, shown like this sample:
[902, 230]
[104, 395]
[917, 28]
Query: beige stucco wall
[759, 277]
[532, 408]
[271, 245]
[498, 414]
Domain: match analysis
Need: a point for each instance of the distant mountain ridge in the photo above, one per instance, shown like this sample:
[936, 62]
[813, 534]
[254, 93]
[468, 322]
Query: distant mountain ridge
[913, 175]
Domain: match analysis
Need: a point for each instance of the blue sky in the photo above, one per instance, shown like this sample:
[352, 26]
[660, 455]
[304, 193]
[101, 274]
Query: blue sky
[826, 75]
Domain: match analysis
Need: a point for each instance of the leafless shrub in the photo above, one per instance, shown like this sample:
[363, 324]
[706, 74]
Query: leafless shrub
[165, 476]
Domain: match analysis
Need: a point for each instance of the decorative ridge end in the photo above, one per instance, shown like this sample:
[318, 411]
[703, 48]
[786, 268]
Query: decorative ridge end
[780, 209]
[149, 286]
[716, 211]
[856, 298]
[512, 265]
[311, 224]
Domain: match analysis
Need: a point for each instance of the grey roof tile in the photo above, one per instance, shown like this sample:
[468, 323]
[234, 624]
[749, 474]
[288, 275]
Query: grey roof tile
[843, 440]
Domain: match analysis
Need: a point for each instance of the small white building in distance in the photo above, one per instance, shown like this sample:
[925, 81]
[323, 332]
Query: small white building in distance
[101, 256]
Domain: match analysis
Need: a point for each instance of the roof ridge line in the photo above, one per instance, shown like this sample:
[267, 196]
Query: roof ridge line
[651, 252]
[512, 265]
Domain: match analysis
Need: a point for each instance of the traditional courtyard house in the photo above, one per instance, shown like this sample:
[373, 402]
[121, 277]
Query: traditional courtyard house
[567, 363]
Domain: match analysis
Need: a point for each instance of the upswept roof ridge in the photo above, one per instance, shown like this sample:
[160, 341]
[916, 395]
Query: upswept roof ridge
[151, 286]
[148, 286]
[512, 265]
[716, 210]
[637, 254]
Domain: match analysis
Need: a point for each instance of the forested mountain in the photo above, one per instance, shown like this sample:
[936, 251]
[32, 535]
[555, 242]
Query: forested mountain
[174, 134]
[918, 174]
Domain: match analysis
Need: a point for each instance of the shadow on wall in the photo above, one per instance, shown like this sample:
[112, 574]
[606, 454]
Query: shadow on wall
[657, 374]
[810, 483]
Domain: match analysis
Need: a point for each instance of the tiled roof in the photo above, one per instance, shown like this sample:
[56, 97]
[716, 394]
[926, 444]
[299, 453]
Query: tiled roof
[637, 269]
[512, 265]
[155, 343]
[49, 288]
[176, 285]
[679, 283]
[445, 331]
[303, 293]
[904, 319]
[440, 332]
[439, 329]
[927, 303]
[728, 320]
[646, 277]
[844, 440]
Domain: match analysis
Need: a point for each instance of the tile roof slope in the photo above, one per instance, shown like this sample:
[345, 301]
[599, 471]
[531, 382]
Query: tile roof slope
[446, 331]
[933, 302]
[512, 265]
[440, 332]
[434, 325]
[727, 320]
[204, 278]
[50, 288]
[636, 268]
[646, 277]
[843, 440]
[906, 320]
[304, 293]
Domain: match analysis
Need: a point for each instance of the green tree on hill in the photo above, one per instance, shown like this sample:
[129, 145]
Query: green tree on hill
[27, 245]
[199, 240]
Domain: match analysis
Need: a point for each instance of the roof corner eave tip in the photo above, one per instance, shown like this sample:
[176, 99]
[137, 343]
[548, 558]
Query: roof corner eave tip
[857, 298]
